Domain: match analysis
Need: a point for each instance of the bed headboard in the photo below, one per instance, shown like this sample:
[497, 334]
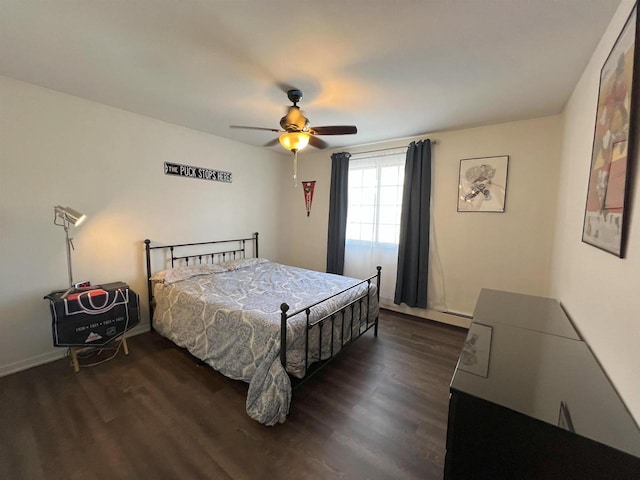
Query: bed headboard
[212, 252]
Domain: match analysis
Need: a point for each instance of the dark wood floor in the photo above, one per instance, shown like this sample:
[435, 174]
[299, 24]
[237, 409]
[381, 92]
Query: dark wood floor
[378, 412]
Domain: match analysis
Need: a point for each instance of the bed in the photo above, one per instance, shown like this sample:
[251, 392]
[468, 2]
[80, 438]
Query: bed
[267, 324]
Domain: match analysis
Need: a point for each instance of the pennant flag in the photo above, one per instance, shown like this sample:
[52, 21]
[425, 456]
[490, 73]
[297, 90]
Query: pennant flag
[307, 189]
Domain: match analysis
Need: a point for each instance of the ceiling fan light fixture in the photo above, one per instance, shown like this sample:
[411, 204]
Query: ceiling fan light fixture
[294, 140]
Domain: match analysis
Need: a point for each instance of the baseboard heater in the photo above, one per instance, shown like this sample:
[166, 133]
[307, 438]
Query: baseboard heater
[451, 318]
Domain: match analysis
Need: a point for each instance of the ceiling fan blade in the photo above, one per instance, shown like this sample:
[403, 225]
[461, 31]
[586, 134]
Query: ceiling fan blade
[334, 130]
[257, 128]
[271, 143]
[285, 87]
[317, 142]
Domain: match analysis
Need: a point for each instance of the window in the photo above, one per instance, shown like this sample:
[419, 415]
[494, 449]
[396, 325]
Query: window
[375, 197]
[373, 216]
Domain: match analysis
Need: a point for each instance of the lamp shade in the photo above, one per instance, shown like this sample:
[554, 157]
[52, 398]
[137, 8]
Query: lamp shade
[70, 215]
[294, 140]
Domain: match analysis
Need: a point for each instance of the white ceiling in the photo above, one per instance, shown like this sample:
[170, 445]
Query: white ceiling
[394, 68]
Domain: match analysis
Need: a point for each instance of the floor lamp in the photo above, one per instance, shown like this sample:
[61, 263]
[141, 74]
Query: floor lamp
[65, 217]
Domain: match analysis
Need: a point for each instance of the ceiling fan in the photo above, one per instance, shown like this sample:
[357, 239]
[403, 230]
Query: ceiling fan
[296, 133]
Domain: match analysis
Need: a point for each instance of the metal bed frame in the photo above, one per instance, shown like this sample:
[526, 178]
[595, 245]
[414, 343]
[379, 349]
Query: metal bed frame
[237, 249]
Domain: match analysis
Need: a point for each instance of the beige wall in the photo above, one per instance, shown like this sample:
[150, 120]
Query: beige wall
[108, 163]
[507, 251]
[599, 291]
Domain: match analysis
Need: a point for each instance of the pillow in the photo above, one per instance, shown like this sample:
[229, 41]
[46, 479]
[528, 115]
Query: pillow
[177, 274]
[230, 265]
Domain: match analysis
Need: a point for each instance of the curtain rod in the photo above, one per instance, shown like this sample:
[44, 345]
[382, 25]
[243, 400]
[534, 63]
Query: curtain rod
[433, 142]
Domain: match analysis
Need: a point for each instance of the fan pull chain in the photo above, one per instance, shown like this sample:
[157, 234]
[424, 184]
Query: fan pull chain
[295, 168]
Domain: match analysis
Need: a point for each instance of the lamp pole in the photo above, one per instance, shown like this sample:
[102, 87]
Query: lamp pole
[67, 216]
[69, 242]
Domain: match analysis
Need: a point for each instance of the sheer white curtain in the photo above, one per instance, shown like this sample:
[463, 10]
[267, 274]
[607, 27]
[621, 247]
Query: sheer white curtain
[373, 219]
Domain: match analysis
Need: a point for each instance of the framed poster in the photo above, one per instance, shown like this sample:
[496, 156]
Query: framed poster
[605, 222]
[482, 184]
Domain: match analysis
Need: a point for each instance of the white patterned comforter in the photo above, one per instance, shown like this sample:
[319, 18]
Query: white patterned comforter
[228, 315]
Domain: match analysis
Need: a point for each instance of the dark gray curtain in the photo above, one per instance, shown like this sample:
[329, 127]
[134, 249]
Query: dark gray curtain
[413, 249]
[338, 203]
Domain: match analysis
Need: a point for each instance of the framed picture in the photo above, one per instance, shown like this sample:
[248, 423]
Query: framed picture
[482, 185]
[614, 145]
[476, 351]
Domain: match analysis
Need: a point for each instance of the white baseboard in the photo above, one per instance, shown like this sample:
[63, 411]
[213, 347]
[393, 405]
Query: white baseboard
[56, 354]
[43, 358]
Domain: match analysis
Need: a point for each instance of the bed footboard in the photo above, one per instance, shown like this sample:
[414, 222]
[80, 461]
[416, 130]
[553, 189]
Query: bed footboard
[352, 320]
